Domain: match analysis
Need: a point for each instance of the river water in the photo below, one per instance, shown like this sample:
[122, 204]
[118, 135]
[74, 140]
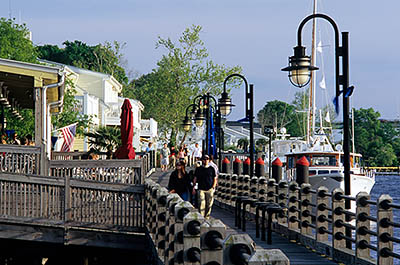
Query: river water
[387, 185]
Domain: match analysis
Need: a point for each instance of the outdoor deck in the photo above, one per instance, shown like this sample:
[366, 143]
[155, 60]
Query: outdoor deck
[296, 253]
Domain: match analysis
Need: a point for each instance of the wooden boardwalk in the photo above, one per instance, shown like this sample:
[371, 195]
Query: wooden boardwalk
[297, 253]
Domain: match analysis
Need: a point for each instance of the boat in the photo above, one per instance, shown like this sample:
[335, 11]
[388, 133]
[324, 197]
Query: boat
[325, 161]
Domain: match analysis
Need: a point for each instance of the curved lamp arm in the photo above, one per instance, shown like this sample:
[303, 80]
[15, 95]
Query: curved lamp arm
[233, 75]
[337, 48]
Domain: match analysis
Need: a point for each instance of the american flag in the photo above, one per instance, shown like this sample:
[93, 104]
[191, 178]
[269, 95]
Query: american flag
[69, 136]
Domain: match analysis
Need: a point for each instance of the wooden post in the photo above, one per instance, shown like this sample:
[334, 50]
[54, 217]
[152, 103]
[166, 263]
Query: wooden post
[282, 201]
[384, 214]
[306, 209]
[293, 208]
[322, 214]
[232, 182]
[363, 210]
[172, 200]
[67, 198]
[271, 190]
[238, 249]
[181, 209]
[162, 194]
[254, 188]
[220, 190]
[191, 237]
[262, 189]
[213, 232]
[337, 205]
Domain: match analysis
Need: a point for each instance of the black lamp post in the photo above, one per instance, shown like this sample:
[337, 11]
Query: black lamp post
[249, 113]
[299, 73]
[201, 113]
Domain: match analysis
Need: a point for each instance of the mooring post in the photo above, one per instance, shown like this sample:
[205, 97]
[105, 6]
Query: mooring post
[213, 233]
[385, 230]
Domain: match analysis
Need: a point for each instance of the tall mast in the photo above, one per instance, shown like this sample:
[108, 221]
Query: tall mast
[311, 102]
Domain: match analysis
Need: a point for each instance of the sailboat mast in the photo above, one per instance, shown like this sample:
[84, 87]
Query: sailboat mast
[311, 105]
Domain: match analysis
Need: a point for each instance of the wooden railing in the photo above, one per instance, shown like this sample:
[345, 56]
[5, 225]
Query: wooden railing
[108, 171]
[317, 218]
[71, 201]
[21, 159]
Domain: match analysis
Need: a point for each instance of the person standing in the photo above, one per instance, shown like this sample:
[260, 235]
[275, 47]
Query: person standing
[164, 157]
[179, 181]
[206, 179]
[196, 152]
[15, 139]
[215, 167]
[149, 147]
[172, 156]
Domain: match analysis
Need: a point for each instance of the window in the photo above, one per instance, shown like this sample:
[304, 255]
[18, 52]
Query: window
[319, 160]
[323, 172]
[312, 172]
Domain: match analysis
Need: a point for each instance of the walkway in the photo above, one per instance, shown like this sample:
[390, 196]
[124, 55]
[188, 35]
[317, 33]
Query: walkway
[297, 254]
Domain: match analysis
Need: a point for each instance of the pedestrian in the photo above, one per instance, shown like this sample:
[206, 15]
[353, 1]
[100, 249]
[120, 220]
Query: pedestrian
[215, 167]
[179, 181]
[181, 154]
[196, 152]
[172, 156]
[185, 148]
[164, 157]
[149, 147]
[206, 180]
[14, 139]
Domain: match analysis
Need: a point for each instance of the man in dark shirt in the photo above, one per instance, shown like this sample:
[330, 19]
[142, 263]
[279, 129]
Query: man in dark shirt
[206, 180]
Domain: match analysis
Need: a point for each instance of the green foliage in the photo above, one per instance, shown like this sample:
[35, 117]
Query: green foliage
[104, 138]
[104, 58]
[22, 127]
[281, 114]
[15, 43]
[378, 142]
[184, 72]
[243, 144]
[260, 144]
[70, 113]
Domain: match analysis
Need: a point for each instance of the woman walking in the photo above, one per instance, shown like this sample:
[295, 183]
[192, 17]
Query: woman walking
[164, 157]
[179, 181]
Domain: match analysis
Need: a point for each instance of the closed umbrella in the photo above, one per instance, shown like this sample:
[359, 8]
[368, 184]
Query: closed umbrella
[126, 151]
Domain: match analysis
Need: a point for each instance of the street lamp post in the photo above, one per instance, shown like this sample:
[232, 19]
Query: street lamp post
[249, 113]
[299, 73]
[202, 113]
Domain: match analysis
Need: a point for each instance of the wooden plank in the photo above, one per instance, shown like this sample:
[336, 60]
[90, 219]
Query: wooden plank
[136, 163]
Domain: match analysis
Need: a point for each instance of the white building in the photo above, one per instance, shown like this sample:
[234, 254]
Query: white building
[98, 97]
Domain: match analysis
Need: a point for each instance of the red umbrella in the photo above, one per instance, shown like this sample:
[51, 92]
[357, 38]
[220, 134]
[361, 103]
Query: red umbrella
[126, 151]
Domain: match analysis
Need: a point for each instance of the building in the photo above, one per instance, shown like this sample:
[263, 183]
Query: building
[97, 96]
[234, 131]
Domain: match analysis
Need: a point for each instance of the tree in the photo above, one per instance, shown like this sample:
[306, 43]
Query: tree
[243, 144]
[104, 58]
[183, 73]
[15, 43]
[104, 139]
[375, 140]
[280, 114]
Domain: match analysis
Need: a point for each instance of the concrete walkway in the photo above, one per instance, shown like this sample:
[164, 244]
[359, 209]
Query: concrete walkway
[296, 253]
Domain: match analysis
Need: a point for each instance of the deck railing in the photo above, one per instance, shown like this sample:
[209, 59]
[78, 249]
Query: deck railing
[317, 218]
[71, 201]
[108, 171]
[21, 159]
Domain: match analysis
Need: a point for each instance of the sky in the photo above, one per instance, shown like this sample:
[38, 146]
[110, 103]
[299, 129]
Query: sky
[257, 35]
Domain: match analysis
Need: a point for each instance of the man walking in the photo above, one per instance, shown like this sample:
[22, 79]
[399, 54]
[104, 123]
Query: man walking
[205, 177]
